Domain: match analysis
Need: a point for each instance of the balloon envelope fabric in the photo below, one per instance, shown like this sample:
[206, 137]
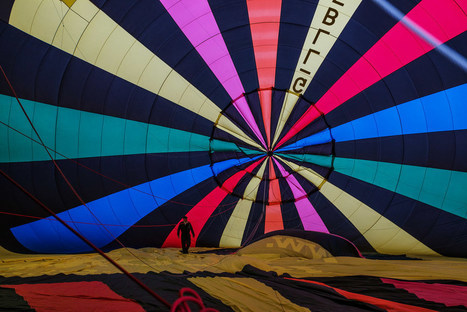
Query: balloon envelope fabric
[341, 117]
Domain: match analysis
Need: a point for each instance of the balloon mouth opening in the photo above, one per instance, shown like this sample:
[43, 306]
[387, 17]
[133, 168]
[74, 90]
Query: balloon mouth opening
[257, 159]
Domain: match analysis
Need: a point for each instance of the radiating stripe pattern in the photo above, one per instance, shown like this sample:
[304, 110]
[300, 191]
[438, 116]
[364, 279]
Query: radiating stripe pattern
[245, 116]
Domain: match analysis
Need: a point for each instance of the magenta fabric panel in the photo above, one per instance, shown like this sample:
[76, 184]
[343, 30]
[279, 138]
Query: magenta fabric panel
[195, 19]
[443, 20]
[310, 218]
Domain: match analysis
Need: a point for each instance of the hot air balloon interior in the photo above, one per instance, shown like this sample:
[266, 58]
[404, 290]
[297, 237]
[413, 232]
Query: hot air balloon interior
[318, 148]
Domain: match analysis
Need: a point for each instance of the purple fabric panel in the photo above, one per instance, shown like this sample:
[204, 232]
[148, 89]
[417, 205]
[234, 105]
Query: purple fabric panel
[195, 19]
[310, 219]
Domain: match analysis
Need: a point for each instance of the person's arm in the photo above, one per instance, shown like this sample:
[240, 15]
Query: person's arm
[191, 229]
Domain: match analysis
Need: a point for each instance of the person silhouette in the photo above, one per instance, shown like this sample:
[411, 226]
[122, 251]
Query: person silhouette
[185, 228]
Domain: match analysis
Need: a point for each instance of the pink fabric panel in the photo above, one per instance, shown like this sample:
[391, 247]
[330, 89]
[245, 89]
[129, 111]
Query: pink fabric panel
[399, 46]
[195, 19]
[449, 295]
[310, 219]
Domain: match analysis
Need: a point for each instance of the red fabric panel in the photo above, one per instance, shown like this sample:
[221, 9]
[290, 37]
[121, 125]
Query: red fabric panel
[76, 296]
[450, 295]
[273, 219]
[389, 306]
[265, 18]
[199, 214]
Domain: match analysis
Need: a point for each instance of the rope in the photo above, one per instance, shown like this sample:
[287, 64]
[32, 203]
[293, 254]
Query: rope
[189, 295]
[84, 239]
[182, 300]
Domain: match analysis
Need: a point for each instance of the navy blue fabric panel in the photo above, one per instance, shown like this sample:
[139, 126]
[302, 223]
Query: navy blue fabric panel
[28, 61]
[322, 171]
[255, 224]
[375, 98]
[449, 72]
[338, 60]
[234, 115]
[368, 24]
[46, 74]
[434, 227]
[296, 16]
[314, 127]
[290, 216]
[277, 100]
[234, 24]
[286, 195]
[221, 156]
[23, 205]
[11, 44]
[5, 10]
[54, 64]
[254, 103]
[337, 223]
[319, 149]
[94, 95]
[43, 181]
[433, 149]
[153, 229]
[301, 106]
[225, 175]
[307, 186]
[211, 233]
[150, 23]
[428, 74]
[262, 194]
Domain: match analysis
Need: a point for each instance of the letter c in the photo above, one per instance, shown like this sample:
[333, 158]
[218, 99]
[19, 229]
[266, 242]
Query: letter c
[301, 82]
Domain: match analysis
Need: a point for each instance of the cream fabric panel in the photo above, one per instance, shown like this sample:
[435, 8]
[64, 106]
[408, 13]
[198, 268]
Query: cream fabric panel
[329, 20]
[245, 294]
[383, 235]
[89, 34]
[235, 228]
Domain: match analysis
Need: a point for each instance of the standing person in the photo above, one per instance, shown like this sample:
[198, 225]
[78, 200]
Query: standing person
[185, 227]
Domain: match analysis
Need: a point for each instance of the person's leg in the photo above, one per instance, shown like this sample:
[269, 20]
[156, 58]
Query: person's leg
[184, 248]
[188, 243]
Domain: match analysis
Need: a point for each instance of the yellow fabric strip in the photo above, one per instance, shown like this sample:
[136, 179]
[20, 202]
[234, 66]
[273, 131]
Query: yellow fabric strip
[245, 294]
[382, 234]
[171, 260]
[69, 3]
[89, 34]
[328, 22]
[235, 228]
[289, 103]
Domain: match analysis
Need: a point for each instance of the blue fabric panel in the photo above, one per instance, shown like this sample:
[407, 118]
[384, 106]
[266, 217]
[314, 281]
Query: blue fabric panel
[315, 139]
[428, 74]
[153, 229]
[120, 210]
[431, 113]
